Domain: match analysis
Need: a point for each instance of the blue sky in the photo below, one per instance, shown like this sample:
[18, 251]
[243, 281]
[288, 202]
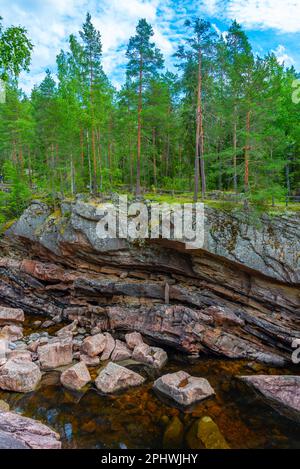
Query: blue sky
[272, 25]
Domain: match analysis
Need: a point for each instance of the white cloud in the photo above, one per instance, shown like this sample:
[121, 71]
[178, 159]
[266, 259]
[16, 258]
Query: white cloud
[50, 22]
[211, 7]
[263, 14]
[283, 57]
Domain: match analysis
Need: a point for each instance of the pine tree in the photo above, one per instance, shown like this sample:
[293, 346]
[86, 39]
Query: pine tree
[144, 61]
[198, 48]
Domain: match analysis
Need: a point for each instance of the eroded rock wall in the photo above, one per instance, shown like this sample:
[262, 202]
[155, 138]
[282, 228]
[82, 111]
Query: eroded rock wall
[237, 297]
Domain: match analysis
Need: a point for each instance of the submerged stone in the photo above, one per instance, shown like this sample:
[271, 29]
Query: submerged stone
[184, 388]
[210, 435]
[282, 393]
[76, 377]
[173, 435]
[115, 378]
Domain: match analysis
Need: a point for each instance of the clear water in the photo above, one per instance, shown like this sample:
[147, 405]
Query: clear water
[137, 418]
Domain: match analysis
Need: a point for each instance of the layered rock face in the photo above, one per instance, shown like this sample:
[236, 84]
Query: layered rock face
[237, 297]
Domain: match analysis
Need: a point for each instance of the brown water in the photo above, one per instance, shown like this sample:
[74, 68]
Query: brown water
[138, 418]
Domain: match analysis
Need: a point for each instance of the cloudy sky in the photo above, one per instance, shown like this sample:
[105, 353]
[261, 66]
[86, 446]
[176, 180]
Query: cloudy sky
[271, 25]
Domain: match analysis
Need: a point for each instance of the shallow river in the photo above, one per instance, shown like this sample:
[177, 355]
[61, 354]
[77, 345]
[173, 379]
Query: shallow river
[138, 418]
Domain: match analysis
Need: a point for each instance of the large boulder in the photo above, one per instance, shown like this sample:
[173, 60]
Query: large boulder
[94, 345]
[280, 392]
[11, 316]
[121, 351]
[8, 441]
[19, 376]
[55, 354]
[28, 432]
[76, 377]
[153, 356]
[115, 378]
[184, 388]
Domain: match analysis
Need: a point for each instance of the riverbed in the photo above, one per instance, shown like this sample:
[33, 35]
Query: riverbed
[138, 417]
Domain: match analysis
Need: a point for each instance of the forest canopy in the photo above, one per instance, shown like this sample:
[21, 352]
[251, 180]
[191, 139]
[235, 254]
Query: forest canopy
[226, 121]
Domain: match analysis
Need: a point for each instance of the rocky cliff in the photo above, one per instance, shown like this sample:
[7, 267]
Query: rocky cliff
[237, 297]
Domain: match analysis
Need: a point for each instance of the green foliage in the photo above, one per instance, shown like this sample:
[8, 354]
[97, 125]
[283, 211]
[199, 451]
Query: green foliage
[13, 203]
[77, 133]
[15, 51]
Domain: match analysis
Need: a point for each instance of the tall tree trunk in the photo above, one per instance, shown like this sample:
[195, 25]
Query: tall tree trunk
[247, 151]
[130, 165]
[94, 154]
[220, 165]
[154, 157]
[81, 147]
[21, 159]
[201, 137]
[94, 159]
[89, 162]
[29, 167]
[14, 153]
[72, 176]
[235, 150]
[138, 162]
[109, 150]
[168, 155]
[198, 126]
[52, 163]
[99, 157]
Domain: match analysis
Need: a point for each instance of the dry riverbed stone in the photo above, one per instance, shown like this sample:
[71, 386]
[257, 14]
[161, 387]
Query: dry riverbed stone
[153, 356]
[183, 388]
[133, 339]
[94, 345]
[115, 378]
[109, 346]
[19, 376]
[55, 354]
[76, 377]
[121, 351]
